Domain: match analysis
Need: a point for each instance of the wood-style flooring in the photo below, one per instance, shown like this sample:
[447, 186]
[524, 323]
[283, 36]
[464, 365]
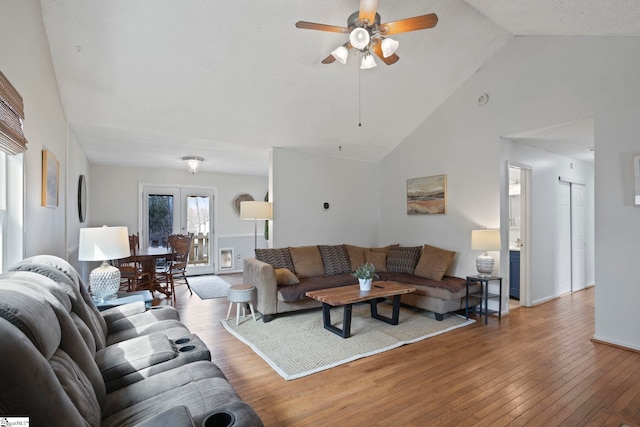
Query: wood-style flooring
[538, 366]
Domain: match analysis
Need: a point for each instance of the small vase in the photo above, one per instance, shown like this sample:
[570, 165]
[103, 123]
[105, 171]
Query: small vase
[365, 284]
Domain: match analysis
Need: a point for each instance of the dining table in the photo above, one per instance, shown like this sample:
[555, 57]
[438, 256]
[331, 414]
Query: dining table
[148, 257]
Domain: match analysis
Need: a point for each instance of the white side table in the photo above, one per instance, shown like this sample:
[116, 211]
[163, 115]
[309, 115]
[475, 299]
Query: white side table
[241, 295]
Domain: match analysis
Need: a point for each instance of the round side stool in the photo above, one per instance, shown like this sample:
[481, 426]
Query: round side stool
[241, 295]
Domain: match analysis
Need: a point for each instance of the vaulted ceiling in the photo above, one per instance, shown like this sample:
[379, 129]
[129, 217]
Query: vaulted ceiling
[146, 82]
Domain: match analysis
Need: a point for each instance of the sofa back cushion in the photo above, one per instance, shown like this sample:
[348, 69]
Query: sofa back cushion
[358, 256]
[307, 261]
[403, 259]
[335, 259]
[378, 259]
[278, 258]
[433, 262]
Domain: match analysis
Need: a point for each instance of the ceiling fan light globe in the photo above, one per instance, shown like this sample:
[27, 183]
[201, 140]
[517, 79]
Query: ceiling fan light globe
[368, 62]
[389, 47]
[359, 38]
[341, 54]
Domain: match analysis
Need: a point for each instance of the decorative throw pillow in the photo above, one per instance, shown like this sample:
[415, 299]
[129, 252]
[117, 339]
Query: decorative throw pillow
[284, 276]
[433, 262]
[356, 255]
[378, 259]
[335, 259]
[278, 258]
[307, 261]
[403, 259]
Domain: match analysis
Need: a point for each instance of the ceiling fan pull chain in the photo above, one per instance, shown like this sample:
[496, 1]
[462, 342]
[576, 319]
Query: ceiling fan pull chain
[359, 100]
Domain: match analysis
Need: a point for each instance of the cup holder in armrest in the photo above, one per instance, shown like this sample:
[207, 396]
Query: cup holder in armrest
[181, 341]
[187, 348]
[219, 419]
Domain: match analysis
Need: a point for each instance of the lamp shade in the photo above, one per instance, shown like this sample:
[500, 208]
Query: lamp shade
[485, 240]
[359, 38]
[389, 47]
[341, 54]
[256, 210]
[368, 62]
[103, 243]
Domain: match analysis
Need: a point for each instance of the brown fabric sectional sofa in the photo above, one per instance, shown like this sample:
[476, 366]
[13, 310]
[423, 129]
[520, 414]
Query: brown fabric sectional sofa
[283, 276]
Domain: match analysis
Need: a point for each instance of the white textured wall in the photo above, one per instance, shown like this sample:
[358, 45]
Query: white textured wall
[26, 62]
[303, 182]
[534, 82]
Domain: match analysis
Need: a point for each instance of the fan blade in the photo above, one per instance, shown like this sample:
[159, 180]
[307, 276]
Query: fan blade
[390, 60]
[410, 24]
[321, 27]
[329, 59]
[368, 10]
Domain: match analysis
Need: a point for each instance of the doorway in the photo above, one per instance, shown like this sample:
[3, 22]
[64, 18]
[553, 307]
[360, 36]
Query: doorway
[519, 221]
[180, 210]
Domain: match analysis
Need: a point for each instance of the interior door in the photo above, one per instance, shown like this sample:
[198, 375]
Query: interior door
[564, 238]
[578, 238]
[180, 210]
[571, 237]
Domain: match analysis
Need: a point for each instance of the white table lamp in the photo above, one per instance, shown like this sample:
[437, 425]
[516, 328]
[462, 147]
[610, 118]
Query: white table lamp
[256, 211]
[104, 244]
[485, 240]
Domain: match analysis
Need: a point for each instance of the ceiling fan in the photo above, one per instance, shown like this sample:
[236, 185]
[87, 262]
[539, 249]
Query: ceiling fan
[368, 35]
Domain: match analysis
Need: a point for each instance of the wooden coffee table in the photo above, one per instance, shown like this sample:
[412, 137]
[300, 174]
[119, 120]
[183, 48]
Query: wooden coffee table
[349, 295]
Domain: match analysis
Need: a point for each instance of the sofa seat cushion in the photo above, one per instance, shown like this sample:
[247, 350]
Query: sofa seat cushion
[131, 355]
[448, 288]
[297, 292]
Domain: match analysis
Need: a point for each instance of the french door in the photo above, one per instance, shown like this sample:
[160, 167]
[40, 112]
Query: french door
[180, 210]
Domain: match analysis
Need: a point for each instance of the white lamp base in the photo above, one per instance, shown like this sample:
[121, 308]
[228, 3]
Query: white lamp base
[484, 264]
[104, 282]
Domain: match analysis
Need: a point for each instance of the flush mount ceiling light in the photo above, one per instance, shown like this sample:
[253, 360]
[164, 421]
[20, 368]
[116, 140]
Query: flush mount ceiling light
[369, 36]
[193, 163]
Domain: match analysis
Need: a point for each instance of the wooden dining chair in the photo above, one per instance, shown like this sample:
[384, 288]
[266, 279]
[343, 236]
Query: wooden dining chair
[176, 268]
[131, 273]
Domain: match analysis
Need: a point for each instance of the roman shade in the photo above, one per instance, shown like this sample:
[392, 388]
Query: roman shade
[12, 140]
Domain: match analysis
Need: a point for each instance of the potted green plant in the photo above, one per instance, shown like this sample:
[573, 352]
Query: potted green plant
[365, 274]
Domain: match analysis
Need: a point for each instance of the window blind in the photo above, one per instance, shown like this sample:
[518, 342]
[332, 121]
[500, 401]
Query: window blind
[12, 138]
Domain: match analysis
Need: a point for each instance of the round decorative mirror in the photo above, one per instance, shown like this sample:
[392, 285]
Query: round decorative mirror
[241, 198]
[82, 199]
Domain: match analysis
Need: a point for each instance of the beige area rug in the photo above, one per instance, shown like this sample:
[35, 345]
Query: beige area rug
[209, 286]
[296, 344]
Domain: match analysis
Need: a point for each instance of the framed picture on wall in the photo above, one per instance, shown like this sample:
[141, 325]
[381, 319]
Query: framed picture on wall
[427, 195]
[50, 179]
[225, 258]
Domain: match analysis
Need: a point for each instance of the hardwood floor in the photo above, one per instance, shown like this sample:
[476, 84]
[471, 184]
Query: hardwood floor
[538, 366]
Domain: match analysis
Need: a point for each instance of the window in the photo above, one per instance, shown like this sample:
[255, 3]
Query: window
[11, 209]
[12, 146]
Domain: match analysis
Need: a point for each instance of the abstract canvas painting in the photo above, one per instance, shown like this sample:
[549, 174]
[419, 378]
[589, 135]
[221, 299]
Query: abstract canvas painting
[427, 195]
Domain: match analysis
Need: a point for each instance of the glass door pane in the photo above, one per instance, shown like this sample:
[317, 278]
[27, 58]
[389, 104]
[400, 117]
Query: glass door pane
[160, 219]
[180, 210]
